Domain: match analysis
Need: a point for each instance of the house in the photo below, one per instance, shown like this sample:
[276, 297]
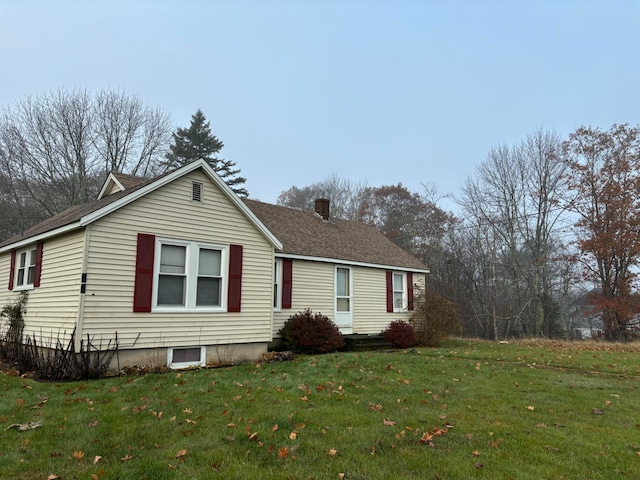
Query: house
[178, 266]
[584, 319]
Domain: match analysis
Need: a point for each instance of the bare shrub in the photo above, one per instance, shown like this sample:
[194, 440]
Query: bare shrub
[434, 319]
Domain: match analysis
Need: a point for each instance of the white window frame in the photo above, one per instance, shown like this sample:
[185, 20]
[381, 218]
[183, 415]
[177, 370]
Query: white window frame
[30, 253]
[178, 365]
[277, 285]
[405, 296]
[191, 276]
[349, 286]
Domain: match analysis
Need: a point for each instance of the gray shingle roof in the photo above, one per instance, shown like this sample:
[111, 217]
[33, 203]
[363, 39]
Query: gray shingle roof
[74, 214]
[301, 233]
[307, 234]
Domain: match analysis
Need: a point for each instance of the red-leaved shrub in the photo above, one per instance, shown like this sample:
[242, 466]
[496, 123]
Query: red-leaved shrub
[400, 334]
[307, 332]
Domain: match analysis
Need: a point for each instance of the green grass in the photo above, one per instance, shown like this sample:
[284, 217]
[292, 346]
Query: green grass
[469, 410]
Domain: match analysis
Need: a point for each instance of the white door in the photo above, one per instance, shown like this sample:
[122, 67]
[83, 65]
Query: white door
[343, 307]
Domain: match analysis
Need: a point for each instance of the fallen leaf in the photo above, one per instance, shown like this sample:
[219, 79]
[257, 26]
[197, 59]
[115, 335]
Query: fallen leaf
[44, 400]
[275, 428]
[333, 451]
[93, 424]
[478, 465]
[126, 458]
[236, 398]
[388, 423]
[426, 438]
[187, 410]
[597, 411]
[181, 453]
[97, 459]
[23, 427]
[94, 476]
[53, 476]
[475, 453]
[293, 435]
[530, 407]
[283, 452]
[78, 455]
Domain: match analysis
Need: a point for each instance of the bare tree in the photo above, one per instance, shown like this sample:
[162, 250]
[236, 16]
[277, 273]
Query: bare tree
[515, 194]
[345, 196]
[56, 148]
[128, 136]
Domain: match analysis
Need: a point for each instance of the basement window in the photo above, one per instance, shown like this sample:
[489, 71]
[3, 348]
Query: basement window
[186, 357]
[196, 192]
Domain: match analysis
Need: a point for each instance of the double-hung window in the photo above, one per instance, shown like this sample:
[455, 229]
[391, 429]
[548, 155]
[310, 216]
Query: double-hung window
[277, 284]
[399, 292]
[26, 267]
[189, 276]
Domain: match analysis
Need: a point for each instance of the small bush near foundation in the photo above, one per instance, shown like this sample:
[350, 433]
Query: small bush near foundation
[400, 334]
[307, 332]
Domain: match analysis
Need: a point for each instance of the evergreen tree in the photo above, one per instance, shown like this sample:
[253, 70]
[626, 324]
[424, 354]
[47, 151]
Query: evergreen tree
[197, 141]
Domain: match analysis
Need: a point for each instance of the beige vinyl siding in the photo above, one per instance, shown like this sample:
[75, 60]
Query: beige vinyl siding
[169, 213]
[52, 309]
[313, 287]
[370, 301]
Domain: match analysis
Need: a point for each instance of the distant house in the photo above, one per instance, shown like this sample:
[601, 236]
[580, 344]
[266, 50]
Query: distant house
[586, 320]
[180, 266]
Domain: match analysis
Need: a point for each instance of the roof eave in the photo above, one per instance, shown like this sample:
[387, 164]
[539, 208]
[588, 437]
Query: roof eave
[352, 262]
[42, 236]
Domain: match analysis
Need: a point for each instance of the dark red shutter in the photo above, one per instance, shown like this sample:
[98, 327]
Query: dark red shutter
[12, 269]
[143, 290]
[389, 291]
[287, 282]
[38, 269]
[409, 291]
[234, 296]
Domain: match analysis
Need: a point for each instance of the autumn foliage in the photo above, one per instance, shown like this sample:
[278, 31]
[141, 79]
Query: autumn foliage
[308, 332]
[400, 334]
[605, 181]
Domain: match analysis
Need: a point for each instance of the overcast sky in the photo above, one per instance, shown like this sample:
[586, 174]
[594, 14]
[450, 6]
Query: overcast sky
[377, 91]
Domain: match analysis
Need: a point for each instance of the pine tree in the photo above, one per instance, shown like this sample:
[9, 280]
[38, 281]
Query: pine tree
[197, 141]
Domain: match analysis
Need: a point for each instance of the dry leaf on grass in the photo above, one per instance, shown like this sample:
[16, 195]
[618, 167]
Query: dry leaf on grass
[23, 427]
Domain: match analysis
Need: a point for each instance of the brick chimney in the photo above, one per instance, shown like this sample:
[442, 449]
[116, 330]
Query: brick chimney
[322, 208]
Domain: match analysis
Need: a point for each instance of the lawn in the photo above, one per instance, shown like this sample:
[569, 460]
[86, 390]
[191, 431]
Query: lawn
[471, 409]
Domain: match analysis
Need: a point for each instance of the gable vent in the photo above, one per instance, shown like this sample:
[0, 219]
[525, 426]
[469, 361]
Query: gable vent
[196, 192]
